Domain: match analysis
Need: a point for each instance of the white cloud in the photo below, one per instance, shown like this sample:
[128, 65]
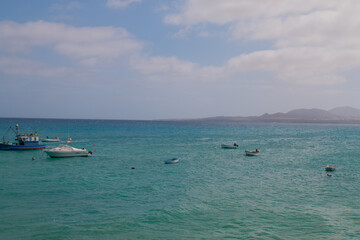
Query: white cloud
[108, 49]
[314, 41]
[332, 28]
[303, 66]
[89, 62]
[28, 67]
[162, 64]
[79, 43]
[172, 68]
[120, 3]
[299, 65]
[228, 11]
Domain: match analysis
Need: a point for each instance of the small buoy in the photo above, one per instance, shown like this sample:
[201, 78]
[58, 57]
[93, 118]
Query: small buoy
[33, 158]
[132, 167]
[329, 175]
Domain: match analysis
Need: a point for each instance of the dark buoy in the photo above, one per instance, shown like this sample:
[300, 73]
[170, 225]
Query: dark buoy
[132, 167]
[33, 158]
[329, 175]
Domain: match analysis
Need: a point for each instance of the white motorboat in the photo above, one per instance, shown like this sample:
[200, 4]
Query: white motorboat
[251, 153]
[171, 160]
[67, 151]
[47, 139]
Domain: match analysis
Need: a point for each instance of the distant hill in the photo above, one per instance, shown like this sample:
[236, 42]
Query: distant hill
[303, 114]
[346, 112]
[335, 115]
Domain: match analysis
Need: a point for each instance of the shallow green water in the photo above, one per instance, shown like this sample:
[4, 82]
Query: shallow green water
[212, 193]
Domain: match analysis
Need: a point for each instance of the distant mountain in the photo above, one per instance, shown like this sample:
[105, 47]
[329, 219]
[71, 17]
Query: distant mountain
[346, 112]
[335, 115]
[303, 114]
[224, 118]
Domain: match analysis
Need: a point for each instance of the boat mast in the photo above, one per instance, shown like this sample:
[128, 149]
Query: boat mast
[7, 131]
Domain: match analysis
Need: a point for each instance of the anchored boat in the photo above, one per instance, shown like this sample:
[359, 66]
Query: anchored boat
[251, 153]
[47, 139]
[330, 168]
[28, 141]
[171, 160]
[226, 146]
[62, 151]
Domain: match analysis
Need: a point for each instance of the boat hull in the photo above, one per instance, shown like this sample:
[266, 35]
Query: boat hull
[330, 168]
[10, 147]
[67, 154]
[228, 146]
[251, 153]
[50, 140]
[170, 161]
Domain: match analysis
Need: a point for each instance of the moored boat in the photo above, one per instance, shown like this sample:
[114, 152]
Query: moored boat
[226, 146]
[47, 139]
[23, 141]
[171, 160]
[62, 151]
[69, 140]
[251, 153]
[329, 168]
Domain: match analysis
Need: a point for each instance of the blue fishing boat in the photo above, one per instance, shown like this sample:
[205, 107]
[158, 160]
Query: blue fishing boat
[28, 141]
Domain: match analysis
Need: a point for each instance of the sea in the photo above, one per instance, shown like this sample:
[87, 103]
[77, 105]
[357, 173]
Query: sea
[125, 191]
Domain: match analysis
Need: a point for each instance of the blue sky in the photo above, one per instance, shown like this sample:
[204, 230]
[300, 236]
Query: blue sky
[142, 59]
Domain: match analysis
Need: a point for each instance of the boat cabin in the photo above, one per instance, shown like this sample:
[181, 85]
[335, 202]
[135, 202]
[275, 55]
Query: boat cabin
[25, 138]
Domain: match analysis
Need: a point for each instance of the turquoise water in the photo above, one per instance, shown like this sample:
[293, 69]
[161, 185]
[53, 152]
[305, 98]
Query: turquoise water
[212, 193]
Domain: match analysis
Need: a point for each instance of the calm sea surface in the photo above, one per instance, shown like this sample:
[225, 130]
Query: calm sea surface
[212, 193]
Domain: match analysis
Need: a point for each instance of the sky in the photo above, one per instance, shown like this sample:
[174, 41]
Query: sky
[161, 59]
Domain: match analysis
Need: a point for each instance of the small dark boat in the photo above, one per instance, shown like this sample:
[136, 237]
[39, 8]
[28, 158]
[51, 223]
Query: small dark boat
[171, 160]
[329, 168]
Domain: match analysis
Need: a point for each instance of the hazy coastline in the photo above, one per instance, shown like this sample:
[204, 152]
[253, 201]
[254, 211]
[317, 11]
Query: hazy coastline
[339, 115]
